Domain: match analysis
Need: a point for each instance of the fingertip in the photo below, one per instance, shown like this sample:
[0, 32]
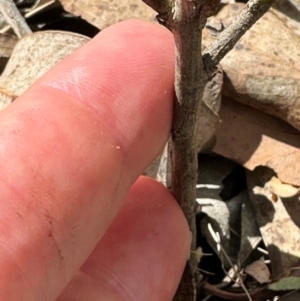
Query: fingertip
[143, 253]
[126, 75]
[81, 135]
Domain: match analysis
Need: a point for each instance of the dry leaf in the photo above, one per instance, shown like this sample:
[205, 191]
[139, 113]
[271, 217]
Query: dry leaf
[263, 72]
[223, 216]
[252, 138]
[7, 44]
[209, 109]
[198, 254]
[32, 57]
[259, 271]
[290, 280]
[164, 172]
[275, 189]
[107, 12]
[2, 22]
[281, 189]
[279, 224]
[287, 283]
[160, 168]
[250, 235]
[296, 3]
[289, 14]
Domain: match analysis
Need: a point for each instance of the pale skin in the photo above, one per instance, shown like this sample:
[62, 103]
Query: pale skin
[77, 222]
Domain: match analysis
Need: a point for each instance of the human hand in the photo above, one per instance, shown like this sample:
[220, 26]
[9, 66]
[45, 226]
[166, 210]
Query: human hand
[71, 149]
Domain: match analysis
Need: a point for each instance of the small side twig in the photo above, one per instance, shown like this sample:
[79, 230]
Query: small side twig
[225, 41]
[217, 239]
[13, 17]
[256, 294]
[36, 9]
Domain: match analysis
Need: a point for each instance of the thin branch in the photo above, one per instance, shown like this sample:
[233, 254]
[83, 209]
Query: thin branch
[13, 17]
[189, 18]
[36, 9]
[186, 19]
[221, 250]
[225, 41]
[256, 294]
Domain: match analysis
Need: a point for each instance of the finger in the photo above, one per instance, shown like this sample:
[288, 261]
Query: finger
[141, 256]
[71, 147]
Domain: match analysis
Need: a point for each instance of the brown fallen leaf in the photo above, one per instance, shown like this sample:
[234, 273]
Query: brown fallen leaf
[223, 216]
[107, 12]
[253, 138]
[209, 109]
[278, 221]
[290, 280]
[32, 57]
[289, 14]
[250, 235]
[7, 44]
[263, 72]
[296, 3]
[281, 189]
[259, 271]
[275, 190]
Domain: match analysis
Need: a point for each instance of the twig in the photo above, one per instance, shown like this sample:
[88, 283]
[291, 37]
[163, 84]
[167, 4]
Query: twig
[256, 294]
[225, 41]
[36, 9]
[265, 252]
[13, 17]
[207, 298]
[189, 17]
[217, 239]
[289, 8]
[186, 19]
